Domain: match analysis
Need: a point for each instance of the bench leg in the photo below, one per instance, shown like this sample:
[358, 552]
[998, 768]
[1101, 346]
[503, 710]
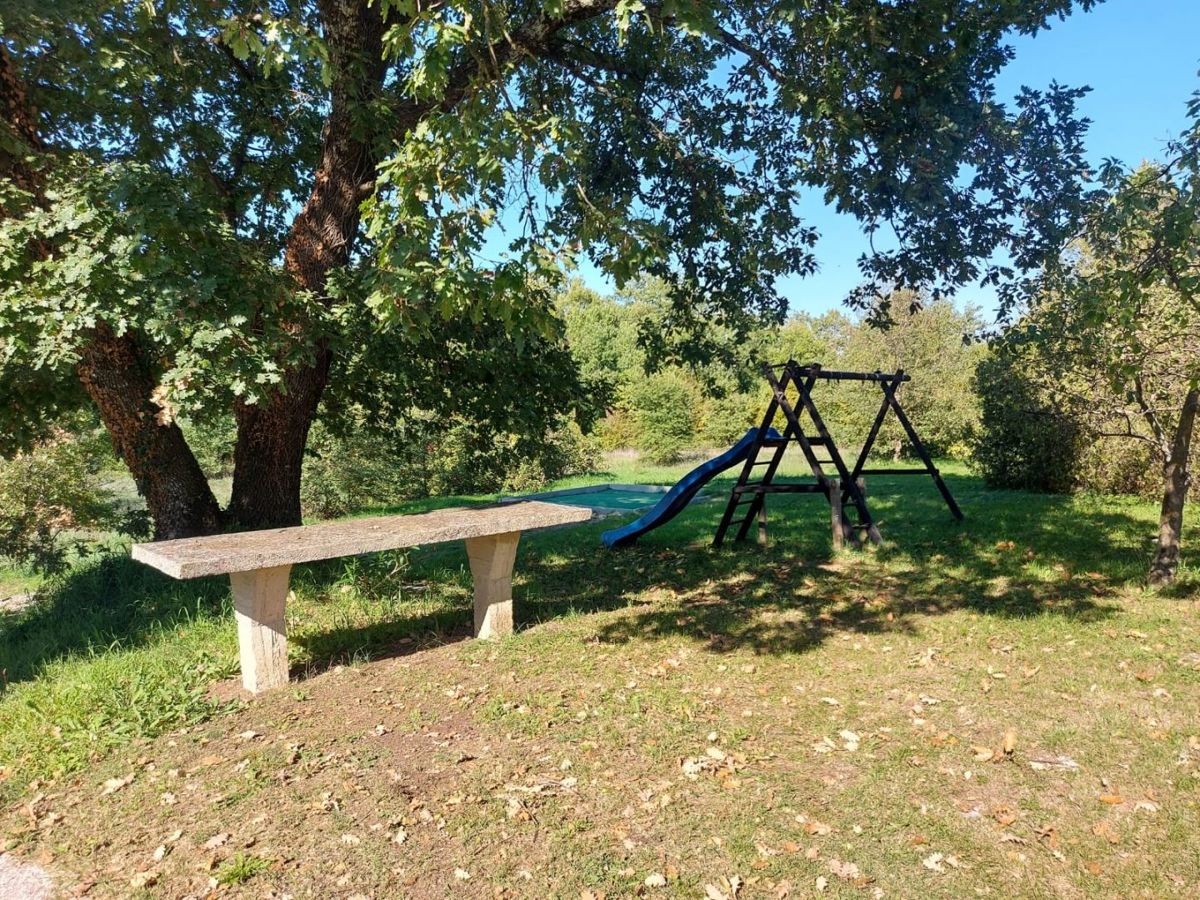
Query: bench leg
[258, 601]
[492, 561]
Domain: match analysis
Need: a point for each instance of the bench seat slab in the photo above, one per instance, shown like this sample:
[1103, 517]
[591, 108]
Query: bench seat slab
[249, 551]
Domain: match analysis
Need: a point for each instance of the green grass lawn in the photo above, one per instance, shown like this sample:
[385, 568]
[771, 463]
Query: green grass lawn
[995, 707]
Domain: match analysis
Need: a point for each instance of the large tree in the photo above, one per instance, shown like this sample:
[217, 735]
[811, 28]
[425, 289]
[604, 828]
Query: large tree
[1123, 321]
[200, 196]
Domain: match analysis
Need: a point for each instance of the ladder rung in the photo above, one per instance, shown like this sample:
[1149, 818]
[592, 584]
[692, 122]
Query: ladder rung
[762, 462]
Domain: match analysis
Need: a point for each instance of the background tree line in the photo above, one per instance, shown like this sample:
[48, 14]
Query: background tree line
[666, 410]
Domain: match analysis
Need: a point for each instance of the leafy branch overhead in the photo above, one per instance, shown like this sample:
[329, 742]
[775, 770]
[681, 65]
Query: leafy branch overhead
[221, 188]
[674, 139]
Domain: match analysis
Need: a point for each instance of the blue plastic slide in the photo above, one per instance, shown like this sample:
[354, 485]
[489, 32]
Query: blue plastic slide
[677, 499]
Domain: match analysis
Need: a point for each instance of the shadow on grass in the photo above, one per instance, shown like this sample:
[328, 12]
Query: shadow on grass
[104, 604]
[1016, 555]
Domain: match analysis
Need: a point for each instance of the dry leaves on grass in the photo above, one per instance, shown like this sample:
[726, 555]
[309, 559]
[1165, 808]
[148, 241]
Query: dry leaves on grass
[1008, 745]
[1104, 829]
[217, 840]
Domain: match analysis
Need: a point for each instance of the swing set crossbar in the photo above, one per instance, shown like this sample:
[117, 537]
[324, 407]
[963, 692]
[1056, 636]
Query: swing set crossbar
[814, 370]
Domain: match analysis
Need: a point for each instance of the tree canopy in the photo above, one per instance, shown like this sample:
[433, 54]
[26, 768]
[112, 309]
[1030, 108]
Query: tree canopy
[223, 205]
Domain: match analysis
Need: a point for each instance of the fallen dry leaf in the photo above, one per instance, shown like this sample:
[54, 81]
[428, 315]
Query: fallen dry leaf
[1048, 761]
[217, 840]
[846, 870]
[143, 880]
[933, 862]
[1010, 742]
[1005, 815]
[112, 785]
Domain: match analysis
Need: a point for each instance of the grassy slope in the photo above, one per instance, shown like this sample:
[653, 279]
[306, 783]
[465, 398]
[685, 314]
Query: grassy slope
[852, 699]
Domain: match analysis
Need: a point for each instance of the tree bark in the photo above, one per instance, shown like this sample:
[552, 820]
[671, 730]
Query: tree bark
[111, 368]
[119, 382]
[1178, 479]
[272, 433]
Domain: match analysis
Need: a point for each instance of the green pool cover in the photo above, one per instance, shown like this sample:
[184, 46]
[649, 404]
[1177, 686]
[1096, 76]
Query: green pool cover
[607, 499]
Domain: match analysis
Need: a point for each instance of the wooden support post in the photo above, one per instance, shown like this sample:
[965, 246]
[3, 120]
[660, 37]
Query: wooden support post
[835, 513]
[492, 560]
[259, 598]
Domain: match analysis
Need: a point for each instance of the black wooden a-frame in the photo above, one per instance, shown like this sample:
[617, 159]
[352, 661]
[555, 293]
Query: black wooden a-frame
[844, 490]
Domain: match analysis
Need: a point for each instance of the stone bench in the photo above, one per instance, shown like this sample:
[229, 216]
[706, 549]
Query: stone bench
[259, 563]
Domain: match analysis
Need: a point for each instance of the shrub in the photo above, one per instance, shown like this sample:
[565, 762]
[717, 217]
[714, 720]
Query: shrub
[617, 430]
[345, 473]
[1026, 440]
[48, 496]
[563, 452]
[212, 443]
[724, 420]
[663, 407]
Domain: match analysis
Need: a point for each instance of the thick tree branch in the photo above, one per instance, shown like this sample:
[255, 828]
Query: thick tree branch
[1151, 417]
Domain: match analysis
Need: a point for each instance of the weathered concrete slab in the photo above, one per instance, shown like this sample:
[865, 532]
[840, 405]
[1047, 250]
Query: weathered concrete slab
[22, 880]
[247, 552]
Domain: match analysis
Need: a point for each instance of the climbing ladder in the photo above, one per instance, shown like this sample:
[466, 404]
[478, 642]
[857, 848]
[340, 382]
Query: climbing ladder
[844, 489]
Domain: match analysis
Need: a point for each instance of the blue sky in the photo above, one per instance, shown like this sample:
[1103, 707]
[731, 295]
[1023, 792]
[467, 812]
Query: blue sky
[1140, 57]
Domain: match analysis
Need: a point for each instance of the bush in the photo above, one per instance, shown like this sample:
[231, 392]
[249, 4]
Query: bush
[47, 497]
[564, 452]
[725, 420]
[344, 473]
[1026, 440]
[212, 443]
[663, 407]
[617, 430]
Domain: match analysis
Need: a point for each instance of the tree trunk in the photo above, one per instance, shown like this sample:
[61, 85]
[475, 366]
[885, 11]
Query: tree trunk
[144, 434]
[1178, 480]
[271, 434]
[112, 370]
[269, 452]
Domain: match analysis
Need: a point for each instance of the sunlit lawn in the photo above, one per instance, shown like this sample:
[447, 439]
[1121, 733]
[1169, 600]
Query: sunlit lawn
[750, 721]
